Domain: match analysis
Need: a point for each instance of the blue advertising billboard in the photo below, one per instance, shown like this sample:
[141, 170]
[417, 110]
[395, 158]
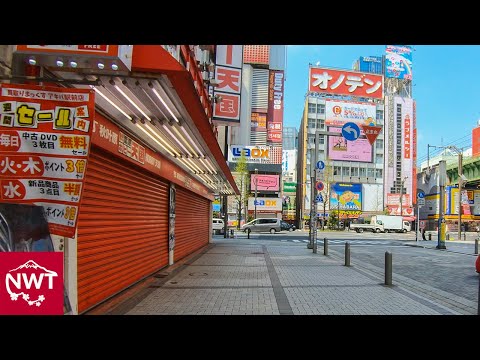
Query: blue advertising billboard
[371, 64]
[345, 196]
[398, 62]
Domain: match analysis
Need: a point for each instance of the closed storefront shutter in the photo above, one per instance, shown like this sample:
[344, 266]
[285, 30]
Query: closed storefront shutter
[192, 220]
[122, 228]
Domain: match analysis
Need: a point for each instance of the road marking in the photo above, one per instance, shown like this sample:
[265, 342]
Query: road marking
[296, 240]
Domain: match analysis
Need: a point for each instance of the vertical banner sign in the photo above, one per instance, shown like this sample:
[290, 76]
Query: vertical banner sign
[44, 145]
[407, 141]
[228, 74]
[275, 106]
[171, 223]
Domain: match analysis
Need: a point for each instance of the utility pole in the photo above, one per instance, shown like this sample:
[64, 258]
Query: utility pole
[313, 178]
[401, 196]
[442, 177]
[256, 182]
[460, 179]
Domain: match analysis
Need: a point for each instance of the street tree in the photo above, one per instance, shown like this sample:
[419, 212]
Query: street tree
[242, 178]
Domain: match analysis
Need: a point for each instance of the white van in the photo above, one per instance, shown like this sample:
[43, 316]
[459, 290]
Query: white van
[218, 226]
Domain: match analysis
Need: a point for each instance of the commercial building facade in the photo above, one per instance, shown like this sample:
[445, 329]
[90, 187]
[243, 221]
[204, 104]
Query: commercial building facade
[152, 160]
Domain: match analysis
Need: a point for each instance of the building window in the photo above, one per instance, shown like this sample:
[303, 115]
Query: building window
[379, 159]
[346, 171]
[336, 170]
[378, 173]
[320, 124]
[320, 109]
[379, 144]
[311, 123]
[311, 138]
[380, 115]
[363, 172]
[354, 171]
[370, 172]
[312, 108]
[322, 139]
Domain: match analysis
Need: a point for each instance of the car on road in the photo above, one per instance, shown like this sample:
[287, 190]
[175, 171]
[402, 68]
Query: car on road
[286, 226]
[271, 225]
[218, 226]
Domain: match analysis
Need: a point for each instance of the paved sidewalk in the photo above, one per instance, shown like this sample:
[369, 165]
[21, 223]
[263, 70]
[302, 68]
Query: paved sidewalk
[235, 277]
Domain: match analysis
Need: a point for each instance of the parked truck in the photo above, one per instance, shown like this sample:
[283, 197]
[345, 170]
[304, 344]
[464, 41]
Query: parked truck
[392, 223]
[382, 223]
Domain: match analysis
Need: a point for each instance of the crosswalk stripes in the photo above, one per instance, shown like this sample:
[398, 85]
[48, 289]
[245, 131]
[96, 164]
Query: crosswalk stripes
[352, 242]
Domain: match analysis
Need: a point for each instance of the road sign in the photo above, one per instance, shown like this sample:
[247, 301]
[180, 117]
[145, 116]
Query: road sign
[421, 194]
[320, 165]
[421, 201]
[319, 186]
[319, 198]
[350, 131]
[422, 224]
[371, 132]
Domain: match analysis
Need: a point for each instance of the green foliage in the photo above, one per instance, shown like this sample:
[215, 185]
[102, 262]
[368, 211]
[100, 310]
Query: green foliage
[332, 219]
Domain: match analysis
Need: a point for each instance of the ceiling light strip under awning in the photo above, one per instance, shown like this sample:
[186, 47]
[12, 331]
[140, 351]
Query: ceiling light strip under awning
[157, 135]
[112, 103]
[151, 136]
[186, 142]
[191, 140]
[166, 127]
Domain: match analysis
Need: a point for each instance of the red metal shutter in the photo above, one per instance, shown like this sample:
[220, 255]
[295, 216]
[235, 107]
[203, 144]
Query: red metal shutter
[192, 222]
[122, 228]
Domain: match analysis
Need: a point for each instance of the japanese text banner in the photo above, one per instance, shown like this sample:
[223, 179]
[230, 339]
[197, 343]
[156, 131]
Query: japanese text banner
[343, 82]
[44, 144]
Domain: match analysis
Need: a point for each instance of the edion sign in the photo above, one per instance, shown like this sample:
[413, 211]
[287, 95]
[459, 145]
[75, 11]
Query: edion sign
[342, 82]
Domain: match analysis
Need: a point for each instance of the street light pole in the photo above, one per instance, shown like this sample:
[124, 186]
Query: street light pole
[256, 182]
[460, 175]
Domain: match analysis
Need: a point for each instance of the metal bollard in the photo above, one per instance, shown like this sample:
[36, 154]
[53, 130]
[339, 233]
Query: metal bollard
[429, 236]
[314, 247]
[248, 234]
[465, 236]
[388, 268]
[448, 237]
[347, 254]
[476, 247]
[325, 246]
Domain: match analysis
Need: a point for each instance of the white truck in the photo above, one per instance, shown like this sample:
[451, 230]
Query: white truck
[392, 223]
[382, 223]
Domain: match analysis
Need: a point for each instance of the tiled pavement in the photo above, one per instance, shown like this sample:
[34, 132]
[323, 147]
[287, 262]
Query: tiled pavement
[265, 278]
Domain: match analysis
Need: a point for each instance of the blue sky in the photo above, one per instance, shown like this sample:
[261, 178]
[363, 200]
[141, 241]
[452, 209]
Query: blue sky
[446, 81]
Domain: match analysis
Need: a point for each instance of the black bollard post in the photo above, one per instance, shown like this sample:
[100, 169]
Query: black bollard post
[325, 246]
[347, 254]
[388, 268]
[248, 234]
[429, 236]
[476, 247]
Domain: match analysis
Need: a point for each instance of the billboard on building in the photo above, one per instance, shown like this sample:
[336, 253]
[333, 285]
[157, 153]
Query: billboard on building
[340, 148]
[228, 74]
[340, 112]
[370, 64]
[289, 160]
[255, 154]
[399, 160]
[275, 106]
[258, 121]
[344, 82]
[346, 196]
[45, 137]
[476, 141]
[264, 182]
[265, 204]
[398, 62]
[289, 187]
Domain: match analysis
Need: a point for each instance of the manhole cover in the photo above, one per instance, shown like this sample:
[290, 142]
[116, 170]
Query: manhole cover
[198, 274]
[258, 253]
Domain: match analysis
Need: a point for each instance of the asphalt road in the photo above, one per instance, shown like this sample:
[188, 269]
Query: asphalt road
[451, 270]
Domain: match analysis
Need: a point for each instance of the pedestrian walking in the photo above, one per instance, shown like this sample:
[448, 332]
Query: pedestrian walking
[423, 234]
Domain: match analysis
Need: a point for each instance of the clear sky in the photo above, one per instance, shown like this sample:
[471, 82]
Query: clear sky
[446, 87]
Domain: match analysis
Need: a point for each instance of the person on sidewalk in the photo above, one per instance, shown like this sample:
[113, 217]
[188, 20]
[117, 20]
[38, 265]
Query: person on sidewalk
[423, 234]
